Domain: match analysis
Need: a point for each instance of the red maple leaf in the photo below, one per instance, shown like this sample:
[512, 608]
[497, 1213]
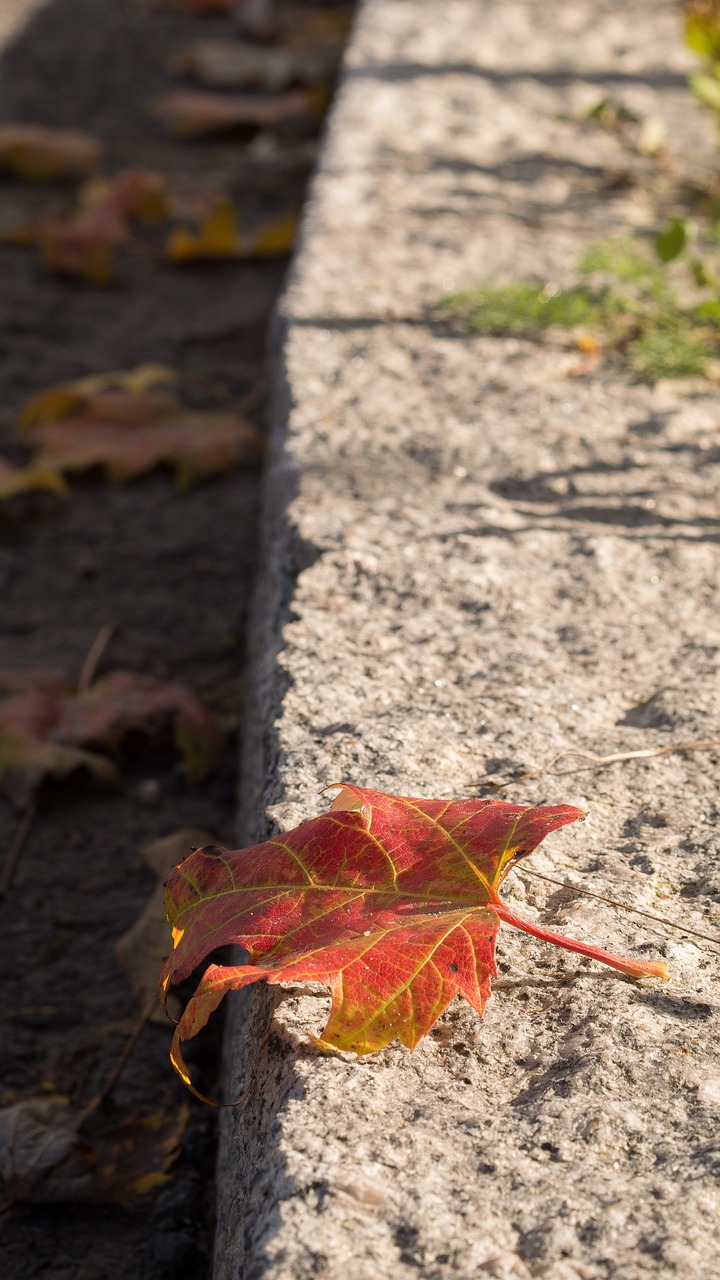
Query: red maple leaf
[391, 901]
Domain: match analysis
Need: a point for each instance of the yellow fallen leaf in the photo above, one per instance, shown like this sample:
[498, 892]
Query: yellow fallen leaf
[16, 480]
[142, 378]
[42, 155]
[217, 237]
[63, 401]
[273, 241]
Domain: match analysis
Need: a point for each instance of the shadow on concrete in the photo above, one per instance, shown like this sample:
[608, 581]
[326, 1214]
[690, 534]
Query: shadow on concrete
[399, 72]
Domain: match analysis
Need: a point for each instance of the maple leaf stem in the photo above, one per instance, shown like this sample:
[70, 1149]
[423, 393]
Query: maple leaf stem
[617, 757]
[634, 968]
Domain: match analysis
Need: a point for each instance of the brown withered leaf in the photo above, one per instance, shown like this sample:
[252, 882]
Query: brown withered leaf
[127, 433]
[219, 236]
[193, 114]
[222, 64]
[42, 155]
[86, 245]
[142, 947]
[16, 480]
[50, 729]
[52, 1152]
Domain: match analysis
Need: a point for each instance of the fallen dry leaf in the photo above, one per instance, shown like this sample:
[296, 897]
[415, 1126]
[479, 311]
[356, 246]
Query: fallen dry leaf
[65, 400]
[52, 1152]
[274, 240]
[86, 245]
[42, 155]
[130, 435]
[130, 432]
[142, 947]
[219, 236]
[50, 729]
[222, 64]
[140, 194]
[195, 445]
[16, 480]
[391, 901]
[192, 114]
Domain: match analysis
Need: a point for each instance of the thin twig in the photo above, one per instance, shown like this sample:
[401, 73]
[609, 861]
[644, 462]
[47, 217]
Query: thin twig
[95, 653]
[16, 848]
[122, 1062]
[614, 902]
[616, 758]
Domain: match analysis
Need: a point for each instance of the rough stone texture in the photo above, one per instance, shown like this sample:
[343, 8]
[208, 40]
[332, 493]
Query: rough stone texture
[13, 15]
[474, 560]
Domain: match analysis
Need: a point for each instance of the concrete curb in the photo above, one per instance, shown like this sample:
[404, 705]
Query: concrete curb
[474, 559]
[13, 17]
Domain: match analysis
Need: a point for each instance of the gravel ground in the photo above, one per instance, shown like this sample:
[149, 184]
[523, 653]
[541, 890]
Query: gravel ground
[171, 572]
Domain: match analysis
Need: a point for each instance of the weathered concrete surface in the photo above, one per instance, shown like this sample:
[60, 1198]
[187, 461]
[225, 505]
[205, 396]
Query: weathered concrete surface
[13, 16]
[474, 560]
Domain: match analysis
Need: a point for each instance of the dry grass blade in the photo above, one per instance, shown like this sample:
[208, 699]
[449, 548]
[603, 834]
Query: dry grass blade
[625, 906]
[13, 854]
[617, 757]
[95, 653]
[128, 1048]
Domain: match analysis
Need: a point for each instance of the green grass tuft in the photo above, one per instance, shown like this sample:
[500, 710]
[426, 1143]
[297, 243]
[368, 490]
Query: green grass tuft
[634, 311]
[623, 257]
[670, 353]
[523, 308]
